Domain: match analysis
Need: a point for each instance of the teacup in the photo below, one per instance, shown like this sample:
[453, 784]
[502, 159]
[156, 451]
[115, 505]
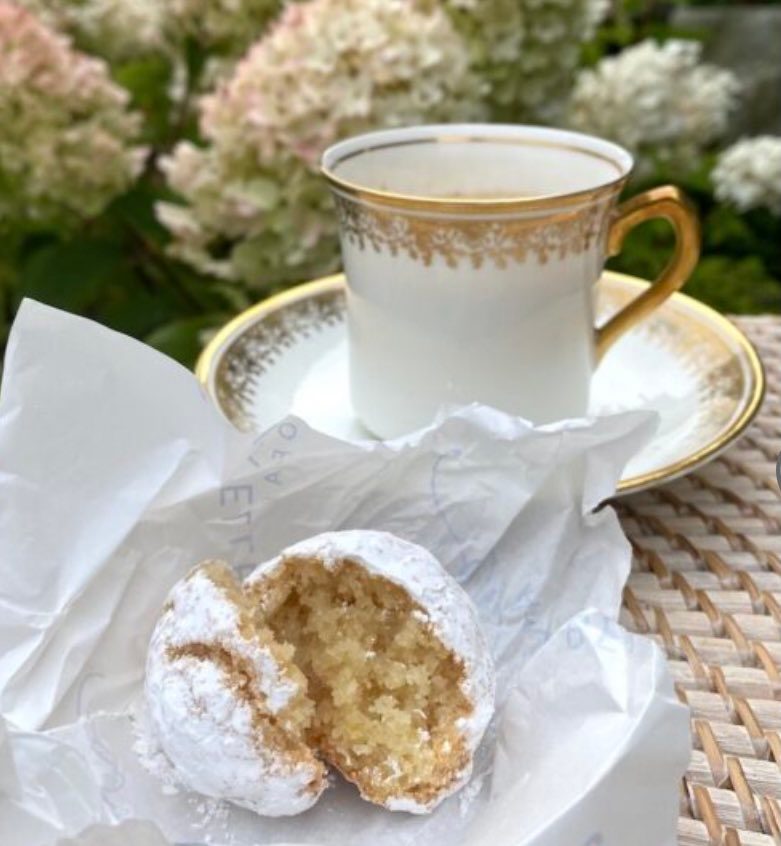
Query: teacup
[471, 254]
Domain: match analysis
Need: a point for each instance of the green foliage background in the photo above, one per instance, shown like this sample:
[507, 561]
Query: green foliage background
[740, 268]
[115, 269]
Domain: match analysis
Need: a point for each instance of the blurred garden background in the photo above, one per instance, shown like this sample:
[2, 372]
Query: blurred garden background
[158, 160]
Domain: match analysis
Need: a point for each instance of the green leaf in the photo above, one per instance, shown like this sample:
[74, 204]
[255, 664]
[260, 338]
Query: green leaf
[737, 286]
[233, 295]
[726, 230]
[72, 275]
[766, 228]
[135, 309]
[646, 250]
[148, 80]
[4, 311]
[182, 339]
[136, 209]
[195, 60]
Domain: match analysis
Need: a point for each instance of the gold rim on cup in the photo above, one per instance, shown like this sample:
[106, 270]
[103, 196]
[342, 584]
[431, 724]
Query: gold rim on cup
[482, 205]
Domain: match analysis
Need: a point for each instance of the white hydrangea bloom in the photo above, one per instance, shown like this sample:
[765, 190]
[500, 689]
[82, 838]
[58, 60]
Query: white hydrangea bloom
[657, 100]
[748, 174]
[262, 223]
[256, 208]
[527, 50]
[66, 146]
[111, 28]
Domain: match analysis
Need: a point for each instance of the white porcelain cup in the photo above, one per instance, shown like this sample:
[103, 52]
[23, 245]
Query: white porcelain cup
[471, 253]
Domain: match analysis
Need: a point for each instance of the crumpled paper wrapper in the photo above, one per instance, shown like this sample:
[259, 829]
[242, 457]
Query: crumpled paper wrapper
[117, 474]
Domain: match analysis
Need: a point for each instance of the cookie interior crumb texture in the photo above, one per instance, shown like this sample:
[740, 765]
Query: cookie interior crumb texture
[387, 693]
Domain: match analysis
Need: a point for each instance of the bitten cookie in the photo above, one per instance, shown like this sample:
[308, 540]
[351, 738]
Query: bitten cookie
[354, 649]
[398, 668]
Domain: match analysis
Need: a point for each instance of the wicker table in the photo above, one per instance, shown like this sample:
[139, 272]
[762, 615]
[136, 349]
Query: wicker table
[706, 585]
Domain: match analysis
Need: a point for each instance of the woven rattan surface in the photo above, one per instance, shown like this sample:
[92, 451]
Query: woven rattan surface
[706, 585]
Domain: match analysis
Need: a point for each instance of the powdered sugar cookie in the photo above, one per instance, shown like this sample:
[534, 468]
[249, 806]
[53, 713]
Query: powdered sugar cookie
[227, 706]
[355, 649]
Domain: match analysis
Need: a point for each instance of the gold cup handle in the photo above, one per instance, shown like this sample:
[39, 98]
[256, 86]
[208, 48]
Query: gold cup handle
[672, 204]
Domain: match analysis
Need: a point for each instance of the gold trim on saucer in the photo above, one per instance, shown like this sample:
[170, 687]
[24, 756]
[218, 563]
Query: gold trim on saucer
[751, 404]
[230, 362]
[205, 367]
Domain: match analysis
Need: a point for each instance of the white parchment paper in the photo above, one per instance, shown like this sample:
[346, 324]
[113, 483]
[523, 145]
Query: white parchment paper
[117, 474]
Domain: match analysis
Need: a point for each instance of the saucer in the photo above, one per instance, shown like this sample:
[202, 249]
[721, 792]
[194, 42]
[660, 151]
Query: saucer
[288, 355]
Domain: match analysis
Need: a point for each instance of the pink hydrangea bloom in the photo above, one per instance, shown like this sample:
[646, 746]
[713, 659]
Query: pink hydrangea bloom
[66, 148]
[326, 70]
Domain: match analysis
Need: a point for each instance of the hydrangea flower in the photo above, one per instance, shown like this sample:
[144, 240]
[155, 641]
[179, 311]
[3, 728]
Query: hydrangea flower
[112, 28]
[748, 174]
[657, 100]
[66, 147]
[527, 50]
[119, 29]
[256, 208]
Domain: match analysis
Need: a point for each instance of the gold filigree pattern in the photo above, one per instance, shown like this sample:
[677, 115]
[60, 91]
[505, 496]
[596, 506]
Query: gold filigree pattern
[255, 351]
[474, 240]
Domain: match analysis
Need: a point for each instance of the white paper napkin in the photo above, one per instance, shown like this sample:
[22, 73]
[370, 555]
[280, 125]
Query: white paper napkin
[117, 474]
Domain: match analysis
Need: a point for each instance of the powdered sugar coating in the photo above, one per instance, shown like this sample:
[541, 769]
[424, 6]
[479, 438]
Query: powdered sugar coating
[207, 728]
[448, 610]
